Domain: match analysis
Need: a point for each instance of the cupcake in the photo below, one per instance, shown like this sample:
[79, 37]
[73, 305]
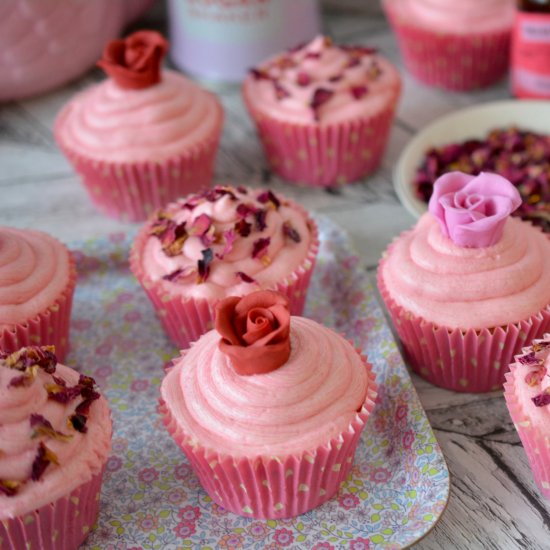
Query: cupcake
[142, 137]
[221, 242]
[323, 112]
[37, 282]
[467, 287]
[55, 435]
[268, 409]
[453, 45]
[527, 394]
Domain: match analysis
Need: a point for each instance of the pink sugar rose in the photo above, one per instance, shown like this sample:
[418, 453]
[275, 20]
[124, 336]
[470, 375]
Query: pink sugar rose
[472, 210]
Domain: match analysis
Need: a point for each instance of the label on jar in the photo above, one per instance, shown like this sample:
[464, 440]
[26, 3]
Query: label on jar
[531, 55]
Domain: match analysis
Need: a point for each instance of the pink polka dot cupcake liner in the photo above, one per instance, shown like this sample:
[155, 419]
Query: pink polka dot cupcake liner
[60, 525]
[50, 327]
[270, 486]
[324, 156]
[535, 443]
[464, 361]
[134, 190]
[185, 319]
[452, 61]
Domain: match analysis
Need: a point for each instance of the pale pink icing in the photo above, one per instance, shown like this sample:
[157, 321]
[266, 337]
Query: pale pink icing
[284, 255]
[298, 407]
[109, 123]
[458, 16]
[79, 458]
[373, 71]
[34, 271]
[539, 416]
[431, 277]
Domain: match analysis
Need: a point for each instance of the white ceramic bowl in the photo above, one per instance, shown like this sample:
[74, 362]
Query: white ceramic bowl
[472, 122]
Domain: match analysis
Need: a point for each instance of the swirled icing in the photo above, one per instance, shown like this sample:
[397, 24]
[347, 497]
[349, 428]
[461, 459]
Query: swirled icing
[525, 392]
[321, 61]
[298, 407]
[464, 16]
[34, 271]
[284, 255]
[79, 458]
[110, 123]
[468, 288]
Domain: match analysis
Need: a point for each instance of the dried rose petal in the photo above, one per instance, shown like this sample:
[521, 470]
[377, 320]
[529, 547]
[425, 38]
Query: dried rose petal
[358, 91]
[9, 487]
[353, 62]
[303, 79]
[313, 55]
[180, 274]
[260, 246]
[61, 394]
[358, 50]
[336, 78]
[374, 71]
[204, 265]
[78, 422]
[229, 237]
[291, 233]
[280, 91]
[319, 98]
[43, 356]
[529, 359]
[200, 225]
[26, 379]
[242, 189]
[539, 346]
[243, 228]
[43, 428]
[259, 74]
[269, 197]
[260, 217]
[244, 209]
[173, 238]
[534, 378]
[244, 277]
[541, 400]
[44, 457]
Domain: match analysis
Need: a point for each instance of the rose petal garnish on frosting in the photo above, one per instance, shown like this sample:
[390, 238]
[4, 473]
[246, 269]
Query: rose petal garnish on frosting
[255, 331]
[358, 91]
[200, 225]
[25, 358]
[245, 209]
[243, 228]
[180, 274]
[539, 346]
[472, 210]
[303, 79]
[204, 265]
[259, 74]
[44, 457]
[290, 232]
[542, 399]
[319, 98]
[135, 62]
[534, 378]
[268, 197]
[43, 428]
[244, 277]
[78, 422]
[9, 488]
[529, 359]
[280, 91]
[260, 217]
[229, 237]
[260, 246]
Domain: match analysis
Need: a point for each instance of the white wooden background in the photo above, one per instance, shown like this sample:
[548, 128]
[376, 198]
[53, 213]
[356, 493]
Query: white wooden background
[494, 503]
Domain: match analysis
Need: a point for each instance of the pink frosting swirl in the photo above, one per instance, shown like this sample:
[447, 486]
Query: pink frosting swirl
[109, 123]
[81, 457]
[323, 82]
[34, 270]
[311, 399]
[464, 16]
[531, 374]
[472, 210]
[469, 288]
[234, 269]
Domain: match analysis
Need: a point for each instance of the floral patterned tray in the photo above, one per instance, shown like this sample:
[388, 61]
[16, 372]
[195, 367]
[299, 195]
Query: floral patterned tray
[152, 500]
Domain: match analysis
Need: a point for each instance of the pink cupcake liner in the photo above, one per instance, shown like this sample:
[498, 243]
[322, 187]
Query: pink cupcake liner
[133, 191]
[50, 327]
[452, 61]
[60, 525]
[271, 486]
[535, 443]
[186, 319]
[464, 361]
[322, 156]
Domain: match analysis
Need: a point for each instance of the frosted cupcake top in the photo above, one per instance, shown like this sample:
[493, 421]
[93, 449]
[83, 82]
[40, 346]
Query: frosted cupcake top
[531, 372]
[55, 430]
[323, 83]
[35, 268]
[309, 398]
[495, 272]
[227, 241]
[462, 17]
[141, 113]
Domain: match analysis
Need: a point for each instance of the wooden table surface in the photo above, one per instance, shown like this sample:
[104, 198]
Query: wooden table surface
[494, 502]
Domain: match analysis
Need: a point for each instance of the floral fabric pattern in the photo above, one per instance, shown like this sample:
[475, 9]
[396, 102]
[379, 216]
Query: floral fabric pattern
[151, 499]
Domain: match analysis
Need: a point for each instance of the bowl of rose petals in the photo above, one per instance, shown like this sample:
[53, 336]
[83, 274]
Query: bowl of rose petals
[510, 138]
